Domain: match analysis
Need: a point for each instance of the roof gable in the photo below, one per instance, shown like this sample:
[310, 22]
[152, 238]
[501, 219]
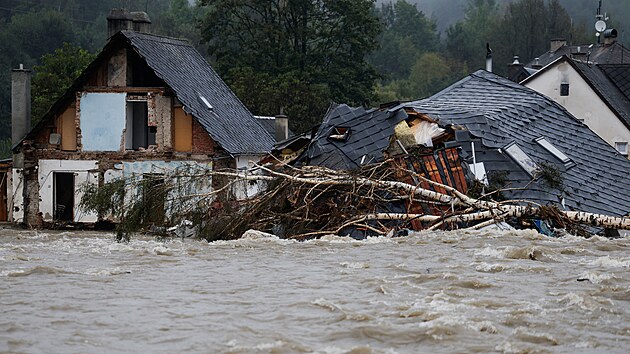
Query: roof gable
[500, 112]
[193, 80]
[597, 78]
[606, 89]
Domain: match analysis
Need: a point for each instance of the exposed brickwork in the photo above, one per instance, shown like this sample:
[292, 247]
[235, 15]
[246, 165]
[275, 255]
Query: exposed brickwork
[77, 122]
[202, 142]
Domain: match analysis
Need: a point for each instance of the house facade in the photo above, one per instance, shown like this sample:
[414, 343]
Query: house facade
[596, 94]
[147, 107]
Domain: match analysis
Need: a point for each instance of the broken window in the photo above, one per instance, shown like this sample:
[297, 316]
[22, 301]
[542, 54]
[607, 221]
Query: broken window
[138, 132]
[339, 133]
[564, 89]
[521, 158]
[622, 147]
[553, 150]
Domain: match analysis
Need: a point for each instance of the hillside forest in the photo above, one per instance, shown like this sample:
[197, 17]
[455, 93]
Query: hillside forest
[299, 55]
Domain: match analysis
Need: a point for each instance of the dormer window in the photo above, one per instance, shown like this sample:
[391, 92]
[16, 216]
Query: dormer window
[521, 158]
[339, 134]
[564, 89]
[553, 150]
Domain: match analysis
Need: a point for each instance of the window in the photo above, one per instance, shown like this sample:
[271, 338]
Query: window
[138, 132]
[339, 134]
[622, 147]
[521, 158]
[553, 150]
[564, 89]
[102, 121]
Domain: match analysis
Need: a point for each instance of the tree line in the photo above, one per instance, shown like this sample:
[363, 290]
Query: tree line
[295, 56]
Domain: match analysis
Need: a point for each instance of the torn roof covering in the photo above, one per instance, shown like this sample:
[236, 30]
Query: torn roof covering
[193, 80]
[500, 112]
[359, 136]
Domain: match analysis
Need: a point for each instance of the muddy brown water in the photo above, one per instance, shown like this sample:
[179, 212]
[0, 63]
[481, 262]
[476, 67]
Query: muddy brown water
[440, 292]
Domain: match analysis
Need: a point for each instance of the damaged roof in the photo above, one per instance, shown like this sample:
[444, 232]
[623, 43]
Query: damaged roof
[499, 112]
[193, 80]
[350, 137]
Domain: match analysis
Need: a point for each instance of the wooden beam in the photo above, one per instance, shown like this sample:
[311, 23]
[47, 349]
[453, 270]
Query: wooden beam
[124, 89]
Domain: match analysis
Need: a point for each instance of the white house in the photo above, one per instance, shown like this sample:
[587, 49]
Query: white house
[597, 94]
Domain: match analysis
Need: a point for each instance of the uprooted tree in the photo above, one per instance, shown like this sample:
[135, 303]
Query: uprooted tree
[309, 202]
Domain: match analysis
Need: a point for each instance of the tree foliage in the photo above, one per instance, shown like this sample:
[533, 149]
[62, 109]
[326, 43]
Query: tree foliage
[312, 50]
[407, 34]
[55, 75]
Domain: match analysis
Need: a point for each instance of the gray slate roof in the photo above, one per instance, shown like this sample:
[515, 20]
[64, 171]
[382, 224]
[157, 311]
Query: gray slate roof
[601, 54]
[370, 131]
[598, 79]
[497, 112]
[190, 76]
[620, 75]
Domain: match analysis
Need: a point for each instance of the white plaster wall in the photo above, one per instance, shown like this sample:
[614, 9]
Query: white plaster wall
[582, 102]
[17, 216]
[189, 180]
[244, 189]
[9, 192]
[85, 171]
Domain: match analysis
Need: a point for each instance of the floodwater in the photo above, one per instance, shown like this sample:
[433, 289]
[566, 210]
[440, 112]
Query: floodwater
[439, 292]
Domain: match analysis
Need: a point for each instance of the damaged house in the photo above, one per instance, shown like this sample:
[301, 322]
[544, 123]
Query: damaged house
[146, 106]
[483, 134]
[522, 141]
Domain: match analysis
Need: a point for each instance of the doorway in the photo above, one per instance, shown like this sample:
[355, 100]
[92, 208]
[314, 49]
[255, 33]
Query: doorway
[63, 192]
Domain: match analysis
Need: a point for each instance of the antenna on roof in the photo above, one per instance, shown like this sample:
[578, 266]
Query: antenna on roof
[600, 23]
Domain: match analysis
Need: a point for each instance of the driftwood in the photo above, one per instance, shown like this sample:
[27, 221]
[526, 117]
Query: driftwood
[313, 201]
[313, 195]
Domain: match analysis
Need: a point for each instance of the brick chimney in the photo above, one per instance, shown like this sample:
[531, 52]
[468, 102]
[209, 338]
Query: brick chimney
[20, 103]
[123, 20]
[118, 20]
[141, 22]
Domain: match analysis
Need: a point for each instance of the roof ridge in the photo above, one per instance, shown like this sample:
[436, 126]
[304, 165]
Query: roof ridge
[152, 36]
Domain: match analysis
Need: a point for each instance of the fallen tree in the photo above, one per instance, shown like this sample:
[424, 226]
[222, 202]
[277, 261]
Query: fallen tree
[312, 201]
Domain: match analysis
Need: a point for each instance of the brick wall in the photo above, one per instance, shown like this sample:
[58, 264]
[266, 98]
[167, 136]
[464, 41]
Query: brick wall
[201, 141]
